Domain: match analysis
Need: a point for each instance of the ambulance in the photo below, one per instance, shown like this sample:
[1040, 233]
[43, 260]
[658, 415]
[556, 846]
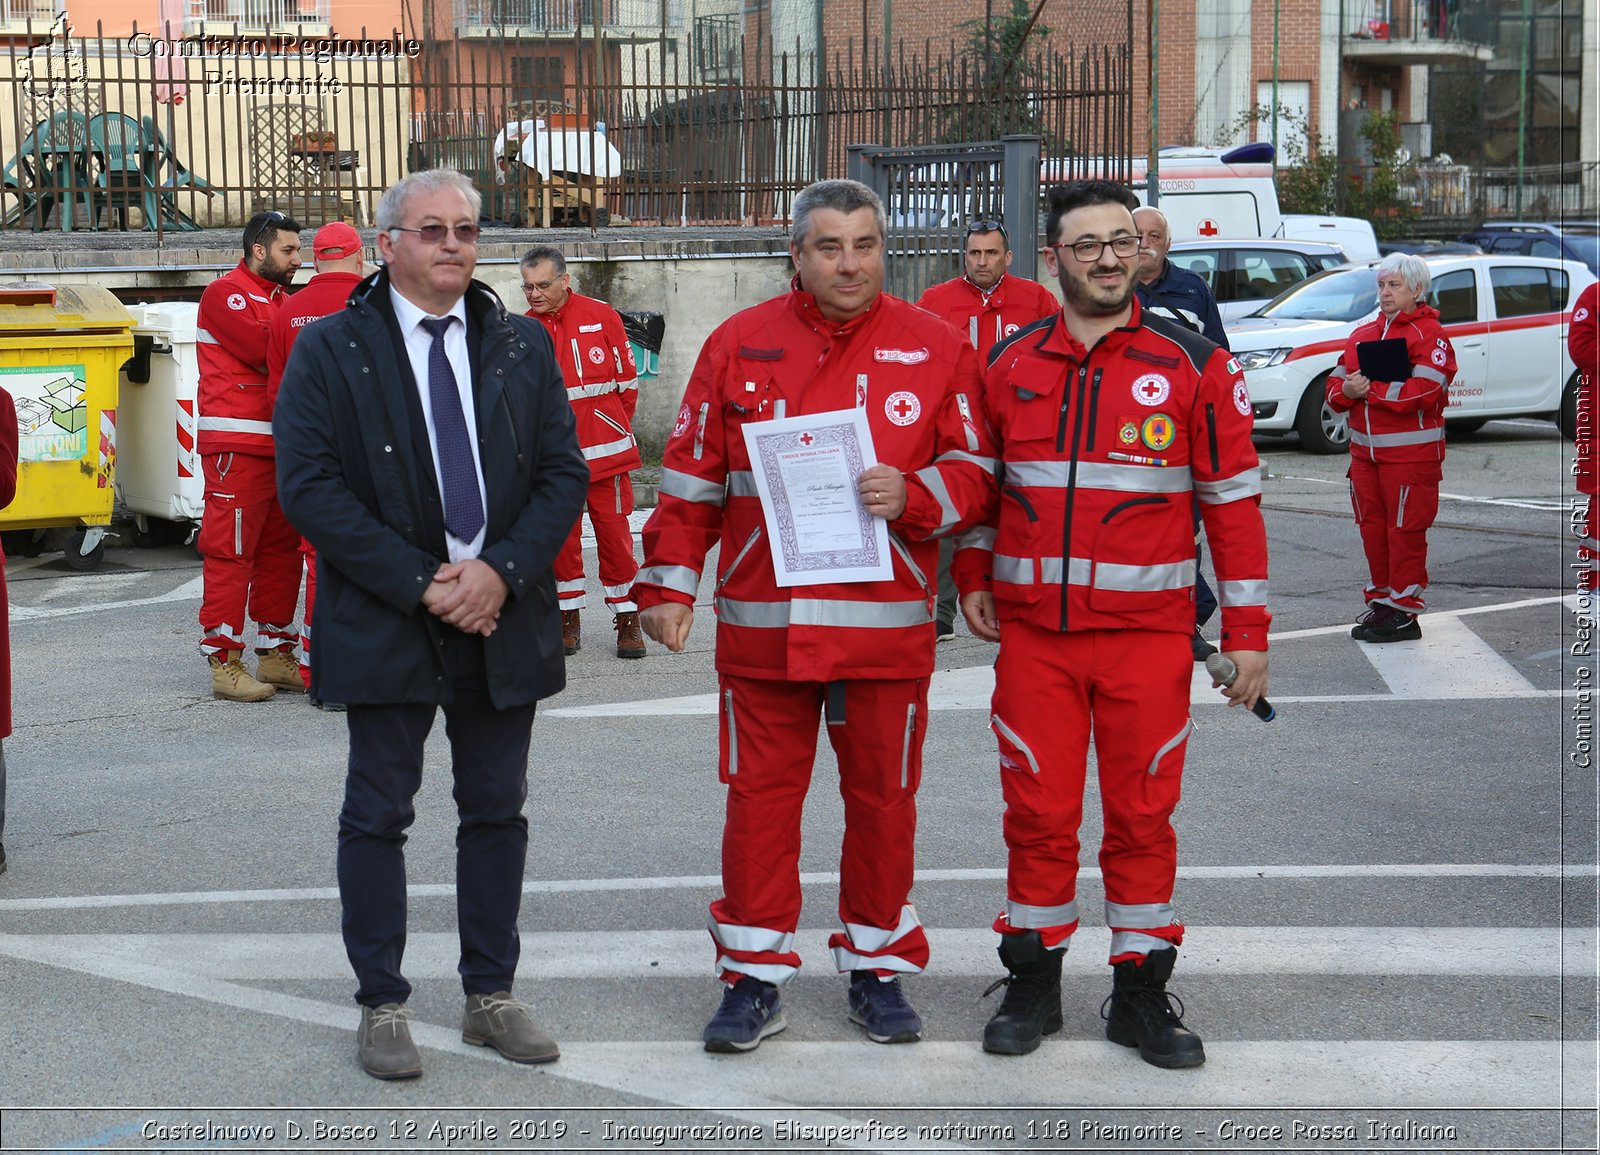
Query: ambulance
[1206, 193]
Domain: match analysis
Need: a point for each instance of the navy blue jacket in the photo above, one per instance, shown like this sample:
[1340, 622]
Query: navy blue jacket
[1184, 297]
[356, 478]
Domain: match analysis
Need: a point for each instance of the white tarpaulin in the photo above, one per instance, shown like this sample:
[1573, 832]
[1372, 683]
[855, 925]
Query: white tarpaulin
[567, 150]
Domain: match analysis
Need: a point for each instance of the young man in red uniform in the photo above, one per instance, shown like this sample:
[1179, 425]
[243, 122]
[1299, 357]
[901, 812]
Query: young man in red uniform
[602, 384]
[250, 554]
[336, 251]
[988, 305]
[1583, 343]
[1111, 423]
[858, 653]
[1396, 448]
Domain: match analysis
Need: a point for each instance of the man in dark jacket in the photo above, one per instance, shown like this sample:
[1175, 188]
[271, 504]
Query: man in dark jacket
[434, 547]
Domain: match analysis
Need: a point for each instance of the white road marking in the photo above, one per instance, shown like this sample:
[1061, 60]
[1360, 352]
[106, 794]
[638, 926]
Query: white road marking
[1498, 1073]
[1543, 504]
[1449, 661]
[639, 954]
[1453, 870]
[188, 591]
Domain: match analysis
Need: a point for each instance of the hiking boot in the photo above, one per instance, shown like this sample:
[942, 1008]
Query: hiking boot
[880, 1005]
[1201, 648]
[279, 668]
[231, 682]
[750, 1011]
[1032, 1006]
[571, 632]
[1377, 614]
[630, 642]
[383, 1043]
[499, 1021]
[1138, 1013]
[1399, 627]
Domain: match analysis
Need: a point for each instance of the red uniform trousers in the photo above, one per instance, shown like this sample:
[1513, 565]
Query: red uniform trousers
[768, 745]
[1131, 688]
[1394, 505]
[250, 557]
[309, 552]
[610, 502]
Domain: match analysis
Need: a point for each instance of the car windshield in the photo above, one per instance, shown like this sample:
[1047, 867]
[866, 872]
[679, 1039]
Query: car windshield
[1333, 295]
[1585, 249]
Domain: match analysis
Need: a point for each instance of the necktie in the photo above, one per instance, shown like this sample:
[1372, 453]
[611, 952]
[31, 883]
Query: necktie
[458, 475]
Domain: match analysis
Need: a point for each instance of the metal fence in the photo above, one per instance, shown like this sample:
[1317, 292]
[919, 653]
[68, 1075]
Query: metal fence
[585, 128]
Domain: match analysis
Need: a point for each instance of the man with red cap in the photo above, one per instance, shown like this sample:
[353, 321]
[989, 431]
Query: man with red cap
[336, 251]
[250, 558]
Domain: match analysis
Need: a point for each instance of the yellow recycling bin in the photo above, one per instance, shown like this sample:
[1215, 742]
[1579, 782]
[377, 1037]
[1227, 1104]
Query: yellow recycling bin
[60, 350]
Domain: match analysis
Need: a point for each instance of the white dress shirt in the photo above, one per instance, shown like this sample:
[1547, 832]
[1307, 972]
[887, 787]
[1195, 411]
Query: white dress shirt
[419, 343]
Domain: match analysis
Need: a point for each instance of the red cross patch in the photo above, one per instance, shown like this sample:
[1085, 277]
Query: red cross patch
[236, 302]
[903, 408]
[1151, 389]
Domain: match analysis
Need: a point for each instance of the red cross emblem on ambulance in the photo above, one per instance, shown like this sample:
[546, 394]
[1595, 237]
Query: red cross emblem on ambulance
[1208, 228]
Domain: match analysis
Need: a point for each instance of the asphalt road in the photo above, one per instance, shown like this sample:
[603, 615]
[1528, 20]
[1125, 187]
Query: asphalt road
[1390, 890]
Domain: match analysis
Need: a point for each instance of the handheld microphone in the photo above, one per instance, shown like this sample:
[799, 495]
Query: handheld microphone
[1222, 670]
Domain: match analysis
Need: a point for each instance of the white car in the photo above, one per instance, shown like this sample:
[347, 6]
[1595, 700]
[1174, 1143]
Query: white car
[1244, 273]
[1506, 316]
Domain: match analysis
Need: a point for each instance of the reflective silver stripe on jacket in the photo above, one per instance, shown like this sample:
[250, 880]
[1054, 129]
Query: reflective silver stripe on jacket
[1410, 437]
[1428, 373]
[1095, 475]
[1170, 745]
[978, 537]
[742, 483]
[688, 487]
[1025, 917]
[204, 337]
[823, 612]
[679, 578]
[1108, 576]
[989, 465]
[621, 445]
[1245, 593]
[966, 406]
[948, 513]
[592, 389]
[1226, 489]
[1010, 735]
[234, 425]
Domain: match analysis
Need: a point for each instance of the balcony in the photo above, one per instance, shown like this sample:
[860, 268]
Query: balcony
[617, 18]
[20, 15]
[1407, 32]
[255, 17]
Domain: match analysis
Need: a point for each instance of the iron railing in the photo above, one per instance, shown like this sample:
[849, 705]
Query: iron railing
[252, 15]
[540, 16]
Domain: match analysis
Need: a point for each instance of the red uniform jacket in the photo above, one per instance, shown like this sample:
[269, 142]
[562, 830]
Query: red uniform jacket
[986, 319]
[235, 317]
[917, 381]
[1399, 421]
[602, 382]
[1103, 454]
[325, 293]
[1583, 342]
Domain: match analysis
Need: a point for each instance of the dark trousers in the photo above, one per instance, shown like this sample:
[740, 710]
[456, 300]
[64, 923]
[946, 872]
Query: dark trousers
[489, 759]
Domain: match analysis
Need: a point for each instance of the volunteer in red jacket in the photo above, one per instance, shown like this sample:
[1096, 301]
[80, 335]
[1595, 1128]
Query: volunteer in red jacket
[1396, 447]
[602, 384]
[1111, 423]
[250, 554]
[988, 305]
[860, 653]
[336, 252]
[1583, 342]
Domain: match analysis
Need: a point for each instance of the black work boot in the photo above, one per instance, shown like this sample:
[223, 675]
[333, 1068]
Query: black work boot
[1032, 1006]
[1139, 1013]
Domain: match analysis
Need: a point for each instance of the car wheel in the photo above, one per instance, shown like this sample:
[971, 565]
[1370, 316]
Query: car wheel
[1321, 430]
[1567, 415]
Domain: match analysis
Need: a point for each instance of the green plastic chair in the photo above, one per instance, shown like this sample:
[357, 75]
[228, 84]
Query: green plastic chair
[51, 170]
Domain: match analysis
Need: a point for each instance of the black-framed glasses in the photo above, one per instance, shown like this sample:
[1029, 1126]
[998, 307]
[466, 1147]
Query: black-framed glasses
[269, 222]
[435, 234]
[1089, 252]
[987, 226]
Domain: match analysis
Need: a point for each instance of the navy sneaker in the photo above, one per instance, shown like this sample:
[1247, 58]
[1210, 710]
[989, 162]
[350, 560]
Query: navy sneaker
[1400, 627]
[750, 1011]
[880, 1006]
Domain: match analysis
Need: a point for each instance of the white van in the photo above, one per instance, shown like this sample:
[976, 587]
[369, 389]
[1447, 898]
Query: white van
[1206, 193]
[1352, 234]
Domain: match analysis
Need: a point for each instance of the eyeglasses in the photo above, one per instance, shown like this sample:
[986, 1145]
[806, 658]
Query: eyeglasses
[1090, 252]
[541, 286]
[268, 222]
[986, 227]
[435, 234]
